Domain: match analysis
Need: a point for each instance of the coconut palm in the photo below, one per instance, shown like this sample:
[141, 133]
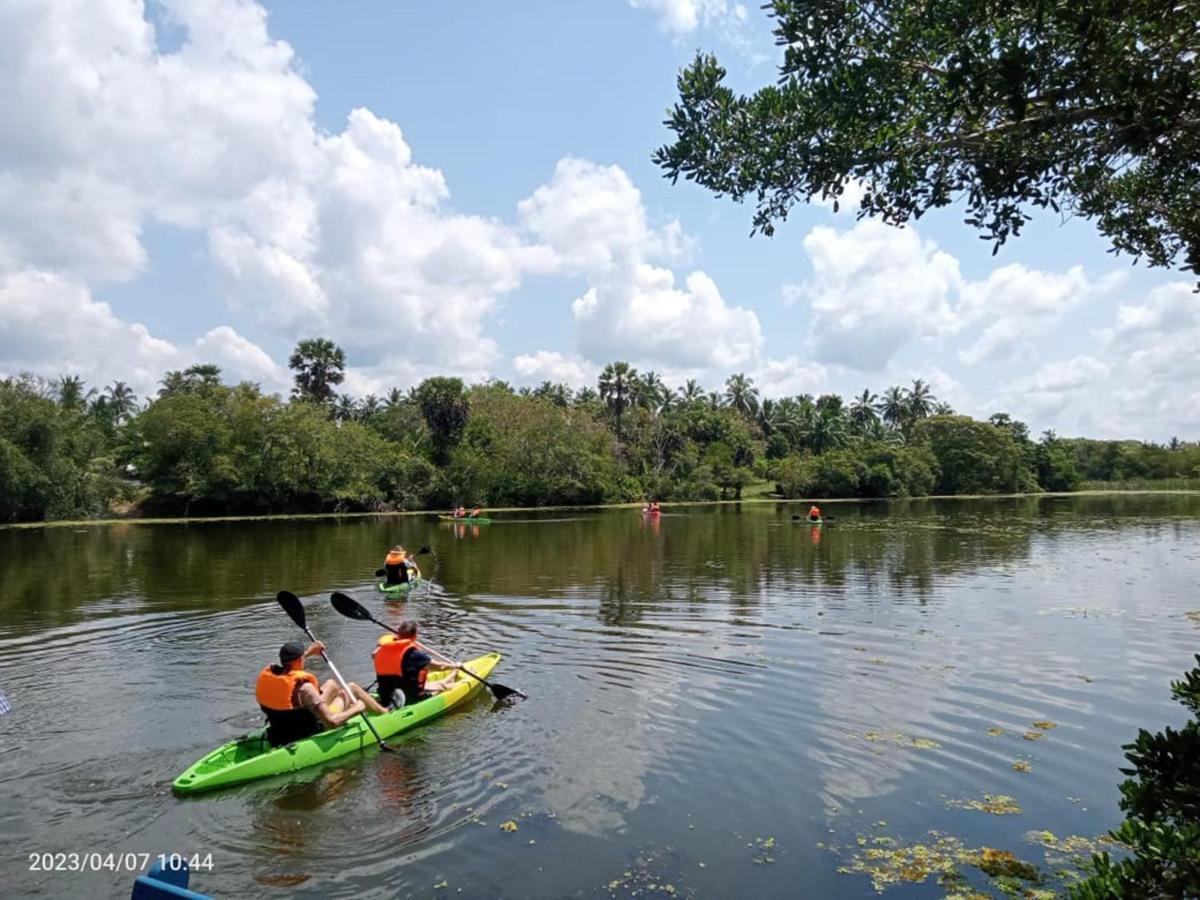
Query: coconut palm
[715, 400]
[395, 400]
[371, 406]
[71, 394]
[825, 431]
[920, 400]
[893, 407]
[616, 384]
[691, 391]
[862, 411]
[649, 391]
[742, 394]
[345, 409]
[121, 400]
[585, 395]
[942, 408]
[766, 412]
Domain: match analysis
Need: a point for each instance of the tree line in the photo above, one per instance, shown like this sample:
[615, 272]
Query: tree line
[203, 447]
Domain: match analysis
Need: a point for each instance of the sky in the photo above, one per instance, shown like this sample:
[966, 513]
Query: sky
[467, 189]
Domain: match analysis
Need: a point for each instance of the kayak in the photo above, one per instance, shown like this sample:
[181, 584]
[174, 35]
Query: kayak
[651, 512]
[251, 757]
[467, 520]
[814, 521]
[397, 590]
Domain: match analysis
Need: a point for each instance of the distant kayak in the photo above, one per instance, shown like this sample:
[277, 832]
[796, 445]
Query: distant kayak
[467, 520]
[651, 512]
[814, 521]
[251, 757]
[402, 587]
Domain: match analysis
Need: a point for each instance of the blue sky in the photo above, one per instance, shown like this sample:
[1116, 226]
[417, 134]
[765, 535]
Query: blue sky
[467, 188]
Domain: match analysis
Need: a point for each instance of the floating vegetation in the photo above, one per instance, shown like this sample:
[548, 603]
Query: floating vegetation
[1085, 679]
[943, 856]
[1083, 611]
[901, 740]
[995, 732]
[1034, 735]
[1022, 765]
[510, 825]
[1193, 616]
[1072, 845]
[1045, 724]
[654, 872]
[996, 804]
[878, 661]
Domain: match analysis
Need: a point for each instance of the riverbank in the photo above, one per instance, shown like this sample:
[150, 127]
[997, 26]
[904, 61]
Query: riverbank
[491, 510]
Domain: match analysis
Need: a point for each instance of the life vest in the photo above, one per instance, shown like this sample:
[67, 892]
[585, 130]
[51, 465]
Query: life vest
[278, 694]
[814, 512]
[279, 691]
[394, 557]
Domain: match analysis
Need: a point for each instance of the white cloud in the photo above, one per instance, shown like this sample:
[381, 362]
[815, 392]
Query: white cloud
[874, 289]
[52, 325]
[681, 17]
[550, 365]
[790, 376]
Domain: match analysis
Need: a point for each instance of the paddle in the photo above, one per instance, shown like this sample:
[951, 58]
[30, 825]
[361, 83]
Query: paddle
[352, 609]
[380, 573]
[295, 609]
[824, 518]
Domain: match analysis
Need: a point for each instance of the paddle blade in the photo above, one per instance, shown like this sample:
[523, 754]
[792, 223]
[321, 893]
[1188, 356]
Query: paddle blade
[379, 573]
[424, 549]
[503, 692]
[349, 607]
[293, 607]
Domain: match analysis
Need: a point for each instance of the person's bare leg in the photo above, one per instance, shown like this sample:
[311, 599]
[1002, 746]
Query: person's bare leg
[371, 703]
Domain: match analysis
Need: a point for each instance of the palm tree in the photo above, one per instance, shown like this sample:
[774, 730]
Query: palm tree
[371, 407]
[715, 400]
[893, 407]
[616, 383]
[395, 399]
[669, 400]
[942, 408]
[585, 395]
[319, 365]
[691, 391]
[826, 431]
[71, 394]
[650, 390]
[920, 400]
[862, 411]
[766, 412]
[345, 409]
[121, 400]
[742, 394]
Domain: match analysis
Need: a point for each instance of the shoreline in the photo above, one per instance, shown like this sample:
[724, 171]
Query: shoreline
[759, 500]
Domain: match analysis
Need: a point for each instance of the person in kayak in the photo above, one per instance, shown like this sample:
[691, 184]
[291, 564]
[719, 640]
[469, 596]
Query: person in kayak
[296, 706]
[401, 664]
[400, 569]
[475, 513]
[460, 513]
[814, 513]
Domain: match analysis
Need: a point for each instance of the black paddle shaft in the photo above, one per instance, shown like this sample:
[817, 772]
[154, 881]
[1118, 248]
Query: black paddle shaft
[295, 609]
[352, 609]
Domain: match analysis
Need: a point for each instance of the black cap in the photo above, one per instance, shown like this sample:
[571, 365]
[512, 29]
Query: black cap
[289, 651]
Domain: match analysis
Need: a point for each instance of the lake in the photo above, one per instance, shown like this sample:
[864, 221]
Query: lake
[722, 702]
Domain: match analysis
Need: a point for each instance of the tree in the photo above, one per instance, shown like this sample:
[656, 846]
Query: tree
[202, 379]
[1161, 802]
[691, 391]
[71, 393]
[616, 385]
[319, 365]
[742, 395]
[862, 411]
[973, 457]
[1086, 107]
[920, 400]
[894, 408]
[825, 431]
[444, 404]
[121, 400]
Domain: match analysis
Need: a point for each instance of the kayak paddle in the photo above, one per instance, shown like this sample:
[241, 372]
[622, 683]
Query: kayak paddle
[380, 573]
[806, 518]
[352, 609]
[295, 609]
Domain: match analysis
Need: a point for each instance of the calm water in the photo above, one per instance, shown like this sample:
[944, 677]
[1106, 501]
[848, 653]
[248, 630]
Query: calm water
[723, 703]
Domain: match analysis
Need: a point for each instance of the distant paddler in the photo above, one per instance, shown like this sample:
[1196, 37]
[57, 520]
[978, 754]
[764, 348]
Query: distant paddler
[399, 568]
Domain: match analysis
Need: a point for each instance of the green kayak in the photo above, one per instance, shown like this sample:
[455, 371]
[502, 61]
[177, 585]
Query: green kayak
[251, 757]
[814, 521]
[397, 590]
[467, 520]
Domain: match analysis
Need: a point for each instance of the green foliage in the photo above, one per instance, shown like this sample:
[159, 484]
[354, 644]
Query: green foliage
[973, 457]
[204, 447]
[445, 407]
[319, 365]
[1161, 801]
[1086, 107]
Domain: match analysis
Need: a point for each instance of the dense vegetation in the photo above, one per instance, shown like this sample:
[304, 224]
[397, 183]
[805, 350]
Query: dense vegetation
[204, 447]
[1088, 107]
[1161, 801]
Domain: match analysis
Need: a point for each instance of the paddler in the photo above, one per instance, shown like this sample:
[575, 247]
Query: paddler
[814, 513]
[295, 706]
[401, 664]
[400, 569]
[475, 513]
[460, 513]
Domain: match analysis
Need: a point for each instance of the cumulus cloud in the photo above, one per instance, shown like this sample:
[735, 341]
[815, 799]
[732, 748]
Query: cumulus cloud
[550, 365]
[681, 17]
[874, 289]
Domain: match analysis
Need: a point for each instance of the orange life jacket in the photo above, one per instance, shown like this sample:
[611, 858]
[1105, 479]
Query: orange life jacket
[814, 512]
[389, 657]
[394, 557]
[280, 692]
